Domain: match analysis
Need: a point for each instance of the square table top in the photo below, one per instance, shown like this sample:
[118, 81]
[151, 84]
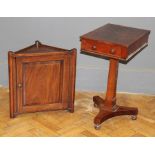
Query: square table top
[116, 34]
[115, 41]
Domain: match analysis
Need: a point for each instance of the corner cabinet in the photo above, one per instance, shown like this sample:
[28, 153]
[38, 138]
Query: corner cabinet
[41, 78]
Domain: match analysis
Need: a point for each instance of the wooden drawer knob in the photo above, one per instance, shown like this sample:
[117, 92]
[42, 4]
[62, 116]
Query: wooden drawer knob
[94, 47]
[112, 51]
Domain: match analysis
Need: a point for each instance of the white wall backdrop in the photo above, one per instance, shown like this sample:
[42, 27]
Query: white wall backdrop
[137, 76]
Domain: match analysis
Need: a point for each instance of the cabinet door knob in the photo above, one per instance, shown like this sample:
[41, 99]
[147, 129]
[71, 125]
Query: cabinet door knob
[19, 85]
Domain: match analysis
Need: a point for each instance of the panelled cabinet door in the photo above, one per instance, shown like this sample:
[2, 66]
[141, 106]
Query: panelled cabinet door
[41, 78]
[42, 82]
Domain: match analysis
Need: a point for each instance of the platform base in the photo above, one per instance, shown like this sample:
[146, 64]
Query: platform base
[106, 112]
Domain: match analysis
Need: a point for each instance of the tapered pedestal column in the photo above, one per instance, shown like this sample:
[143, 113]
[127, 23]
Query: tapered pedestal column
[108, 107]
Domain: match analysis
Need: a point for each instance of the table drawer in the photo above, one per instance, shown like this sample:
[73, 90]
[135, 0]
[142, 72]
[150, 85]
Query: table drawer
[101, 48]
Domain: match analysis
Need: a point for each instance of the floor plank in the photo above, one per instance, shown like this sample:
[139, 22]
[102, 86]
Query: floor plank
[80, 123]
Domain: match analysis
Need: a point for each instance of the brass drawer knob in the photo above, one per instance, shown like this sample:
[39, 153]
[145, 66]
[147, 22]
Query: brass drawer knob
[94, 47]
[112, 51]
[19, 85]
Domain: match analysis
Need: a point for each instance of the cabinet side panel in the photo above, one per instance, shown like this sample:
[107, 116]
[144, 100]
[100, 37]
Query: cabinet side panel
[72, 77]
[12, 83]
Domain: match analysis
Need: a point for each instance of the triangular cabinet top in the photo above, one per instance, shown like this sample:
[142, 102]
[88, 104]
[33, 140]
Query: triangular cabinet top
[39, 49]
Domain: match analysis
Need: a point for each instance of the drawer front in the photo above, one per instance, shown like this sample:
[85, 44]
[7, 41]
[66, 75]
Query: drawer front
[101, 48]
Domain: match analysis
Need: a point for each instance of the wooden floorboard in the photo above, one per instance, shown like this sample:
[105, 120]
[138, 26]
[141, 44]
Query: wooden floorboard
[80, 123]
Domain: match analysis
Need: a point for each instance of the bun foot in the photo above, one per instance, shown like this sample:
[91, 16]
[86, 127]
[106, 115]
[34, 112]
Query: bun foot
[134, 117]
[97, 126]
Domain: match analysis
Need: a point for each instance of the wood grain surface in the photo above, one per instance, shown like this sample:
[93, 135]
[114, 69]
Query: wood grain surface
[41, 78]
[115, 41]
[80, 123]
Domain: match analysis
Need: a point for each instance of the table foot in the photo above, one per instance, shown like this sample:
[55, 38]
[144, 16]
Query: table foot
[134, 117]
[97, 126]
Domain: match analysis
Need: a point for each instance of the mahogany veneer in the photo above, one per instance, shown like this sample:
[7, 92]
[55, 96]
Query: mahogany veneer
[116, 43]
[41, 78]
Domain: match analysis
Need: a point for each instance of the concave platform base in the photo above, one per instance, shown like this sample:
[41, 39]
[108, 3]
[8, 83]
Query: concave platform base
[107, 112]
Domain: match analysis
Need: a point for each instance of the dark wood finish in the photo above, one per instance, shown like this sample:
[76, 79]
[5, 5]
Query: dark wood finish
[108, 107]
[41, 78]
[116, 43]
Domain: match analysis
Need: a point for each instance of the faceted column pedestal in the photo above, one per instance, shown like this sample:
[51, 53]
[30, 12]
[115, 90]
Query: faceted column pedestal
[108, 107]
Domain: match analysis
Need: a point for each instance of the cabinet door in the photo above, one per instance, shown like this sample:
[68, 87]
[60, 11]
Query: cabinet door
[42, 83]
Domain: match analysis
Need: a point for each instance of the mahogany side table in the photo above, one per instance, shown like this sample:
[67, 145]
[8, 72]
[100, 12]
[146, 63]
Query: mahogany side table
[118, 44]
